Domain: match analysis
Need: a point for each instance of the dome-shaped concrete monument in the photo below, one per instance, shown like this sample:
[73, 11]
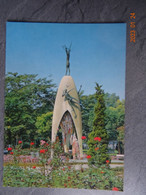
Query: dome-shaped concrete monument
[67, 113]
[67, 101]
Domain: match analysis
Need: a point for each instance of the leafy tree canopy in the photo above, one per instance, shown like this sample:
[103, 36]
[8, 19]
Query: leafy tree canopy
[26, 97]
[44, 125]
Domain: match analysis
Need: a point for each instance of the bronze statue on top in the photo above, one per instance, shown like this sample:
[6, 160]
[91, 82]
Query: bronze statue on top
[67, 58]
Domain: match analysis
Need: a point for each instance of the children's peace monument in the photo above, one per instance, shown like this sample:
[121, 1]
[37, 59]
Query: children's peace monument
[67, 113]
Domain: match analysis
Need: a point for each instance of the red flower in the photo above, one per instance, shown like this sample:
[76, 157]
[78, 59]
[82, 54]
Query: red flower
[34, 167]
[107, 161]
[97, 148]
[115, 189]
[65, 185]
[32, 143]
[69, 178]
[11, 153]
[97, 139]
[83, 137]
[69, 167]
[19, 142]
[89, 156]
[102, 172]
[9, 149]
[42, 151]
[63, 169]
[47, 144]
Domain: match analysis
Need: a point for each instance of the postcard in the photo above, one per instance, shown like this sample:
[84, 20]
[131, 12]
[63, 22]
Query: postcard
[64, 105]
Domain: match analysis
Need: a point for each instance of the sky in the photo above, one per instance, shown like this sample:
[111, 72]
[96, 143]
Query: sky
[98, 53]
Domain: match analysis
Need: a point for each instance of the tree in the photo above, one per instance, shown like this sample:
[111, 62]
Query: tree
[44, 125]
[26, 97]
[99, 156]
[110, 99]
[115, 113]
[121, 133]
[115, 118]
[88, 103]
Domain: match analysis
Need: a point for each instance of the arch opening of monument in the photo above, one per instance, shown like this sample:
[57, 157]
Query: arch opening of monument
[69, 135]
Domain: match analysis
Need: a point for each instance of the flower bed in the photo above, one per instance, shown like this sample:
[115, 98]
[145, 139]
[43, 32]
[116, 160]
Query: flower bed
[41, 171]
[22, 159]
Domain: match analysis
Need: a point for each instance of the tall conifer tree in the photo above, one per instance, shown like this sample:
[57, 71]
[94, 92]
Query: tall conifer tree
[98, 138]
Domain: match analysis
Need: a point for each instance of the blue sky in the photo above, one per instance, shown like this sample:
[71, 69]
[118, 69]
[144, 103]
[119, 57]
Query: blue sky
[98, 53]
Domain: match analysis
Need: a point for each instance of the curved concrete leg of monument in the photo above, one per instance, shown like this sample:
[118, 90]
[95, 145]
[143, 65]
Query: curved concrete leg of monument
[62, 106]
